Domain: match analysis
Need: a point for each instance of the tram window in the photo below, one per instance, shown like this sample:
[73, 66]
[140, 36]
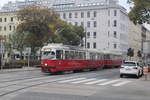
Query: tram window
[115, 57]
[76, 55]
[84, 55]
[95, 58]
[66, 54]
[102, 57]
[59, 54]
[46, 52]
[72, 55]
[92, 56]
[111, 57]
[81, 54]
[99, 57]
[107, 57]
[53, 53]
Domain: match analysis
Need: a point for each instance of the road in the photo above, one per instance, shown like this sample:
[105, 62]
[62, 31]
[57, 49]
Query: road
[91, 85]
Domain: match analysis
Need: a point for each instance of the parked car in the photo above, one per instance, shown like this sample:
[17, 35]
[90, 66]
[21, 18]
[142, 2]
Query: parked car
[131, 68]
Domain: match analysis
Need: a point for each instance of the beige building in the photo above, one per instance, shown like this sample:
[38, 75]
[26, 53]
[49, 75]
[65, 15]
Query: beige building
[138, 34]
[147, 47]
[8, 23]
[135, 38]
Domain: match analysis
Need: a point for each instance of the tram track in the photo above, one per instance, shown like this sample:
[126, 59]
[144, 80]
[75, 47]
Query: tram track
[28, 83]
[21, 79]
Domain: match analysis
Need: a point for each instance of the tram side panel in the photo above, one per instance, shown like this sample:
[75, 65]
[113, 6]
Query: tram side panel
[68, 65]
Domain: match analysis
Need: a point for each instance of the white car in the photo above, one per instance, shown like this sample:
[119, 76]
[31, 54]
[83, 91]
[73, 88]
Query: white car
[131, 68]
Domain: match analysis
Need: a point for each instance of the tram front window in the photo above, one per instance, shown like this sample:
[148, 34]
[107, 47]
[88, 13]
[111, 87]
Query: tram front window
[48, 55]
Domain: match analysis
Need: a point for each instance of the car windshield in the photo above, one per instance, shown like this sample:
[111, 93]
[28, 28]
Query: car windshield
[129, 64]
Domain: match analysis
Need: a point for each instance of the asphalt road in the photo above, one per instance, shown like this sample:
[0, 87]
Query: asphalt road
[94, 85]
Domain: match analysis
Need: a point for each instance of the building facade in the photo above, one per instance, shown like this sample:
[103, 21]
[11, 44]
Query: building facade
[135, 39]
[8, 23]
[106, 25]
[105, 22]
[139, 40]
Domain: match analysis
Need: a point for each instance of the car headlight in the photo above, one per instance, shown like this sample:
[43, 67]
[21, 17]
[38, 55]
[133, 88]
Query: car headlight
[45, 64]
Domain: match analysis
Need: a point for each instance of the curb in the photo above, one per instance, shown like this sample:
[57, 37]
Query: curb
[18, 70]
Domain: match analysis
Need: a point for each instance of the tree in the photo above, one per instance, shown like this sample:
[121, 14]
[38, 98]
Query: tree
[68, 34]
[38, 22]
[140, 12]
[130, 52]
[139, 54]
[80, 32]
[16, 41]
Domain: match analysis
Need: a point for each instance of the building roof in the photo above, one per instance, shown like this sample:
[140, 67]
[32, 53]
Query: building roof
[17, 5]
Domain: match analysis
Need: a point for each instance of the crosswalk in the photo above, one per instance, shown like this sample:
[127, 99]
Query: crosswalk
[94, 81]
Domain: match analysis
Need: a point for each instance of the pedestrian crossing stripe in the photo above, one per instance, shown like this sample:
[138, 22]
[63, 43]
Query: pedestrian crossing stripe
[109, 82]
[70, 80]
[83, 81]
[94, 81]
[121, 83]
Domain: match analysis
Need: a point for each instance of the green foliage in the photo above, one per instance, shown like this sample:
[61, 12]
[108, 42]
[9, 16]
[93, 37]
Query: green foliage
[140, 13]
[130, 52]
[36, 21]
[139, 54]
[16, 41]
[68, 34]
[21, 63]
[44, 26]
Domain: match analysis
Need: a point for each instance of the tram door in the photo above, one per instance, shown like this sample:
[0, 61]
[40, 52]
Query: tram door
[59, 54]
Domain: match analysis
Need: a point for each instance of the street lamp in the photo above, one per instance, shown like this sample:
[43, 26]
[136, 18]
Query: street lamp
[85, 37]
[2, 49]
[146, 49]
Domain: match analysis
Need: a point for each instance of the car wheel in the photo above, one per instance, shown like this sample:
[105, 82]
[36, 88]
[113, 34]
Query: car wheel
[121, 75]
[137, 76]
[141, 74]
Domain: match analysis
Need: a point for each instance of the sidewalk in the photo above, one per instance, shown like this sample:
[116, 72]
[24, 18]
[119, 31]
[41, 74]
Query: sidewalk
[20, 69]
[148, 77]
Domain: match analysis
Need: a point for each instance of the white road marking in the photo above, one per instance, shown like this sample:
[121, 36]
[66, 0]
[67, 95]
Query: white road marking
[76, 82]
[121, 83]
[70, 80]
[109, 82]
[97, 81]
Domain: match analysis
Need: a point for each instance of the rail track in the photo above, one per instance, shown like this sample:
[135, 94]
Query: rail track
[17, 85]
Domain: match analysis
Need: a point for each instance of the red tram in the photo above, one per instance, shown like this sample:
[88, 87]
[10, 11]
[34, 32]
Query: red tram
[59, 58]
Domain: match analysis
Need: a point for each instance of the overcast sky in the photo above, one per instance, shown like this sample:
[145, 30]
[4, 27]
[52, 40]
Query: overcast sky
[2, 2]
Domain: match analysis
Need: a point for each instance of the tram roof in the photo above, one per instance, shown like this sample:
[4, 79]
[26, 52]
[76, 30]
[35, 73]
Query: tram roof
[69, 47]
[61, 46]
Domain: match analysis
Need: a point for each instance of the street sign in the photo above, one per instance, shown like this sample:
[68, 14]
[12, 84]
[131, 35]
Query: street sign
[28, 50]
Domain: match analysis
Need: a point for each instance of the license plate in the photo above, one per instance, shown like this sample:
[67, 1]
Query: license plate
[128, 69]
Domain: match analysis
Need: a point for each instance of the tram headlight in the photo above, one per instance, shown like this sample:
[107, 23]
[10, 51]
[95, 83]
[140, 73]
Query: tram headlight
[45, 64]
